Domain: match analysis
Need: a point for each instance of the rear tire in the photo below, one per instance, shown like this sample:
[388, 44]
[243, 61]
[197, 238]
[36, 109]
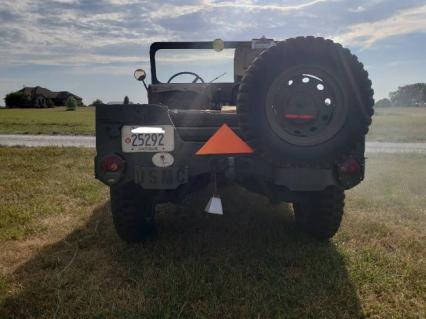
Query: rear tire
[133, 211]
[320, 213]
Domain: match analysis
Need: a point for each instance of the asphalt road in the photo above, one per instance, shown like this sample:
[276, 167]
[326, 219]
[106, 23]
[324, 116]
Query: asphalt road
[89, 142]
[47, 140]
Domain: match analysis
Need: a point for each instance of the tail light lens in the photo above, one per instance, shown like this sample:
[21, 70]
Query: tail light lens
[111, 168]
[112, 164]
[350, 167]
[350, 173]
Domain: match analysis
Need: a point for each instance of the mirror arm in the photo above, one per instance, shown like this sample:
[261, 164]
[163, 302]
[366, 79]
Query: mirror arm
[144, 84]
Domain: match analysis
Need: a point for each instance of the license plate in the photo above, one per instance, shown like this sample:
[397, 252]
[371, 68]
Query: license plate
[158, 138]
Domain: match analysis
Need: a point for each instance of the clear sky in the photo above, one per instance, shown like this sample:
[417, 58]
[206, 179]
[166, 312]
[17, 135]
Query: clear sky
[91, 48]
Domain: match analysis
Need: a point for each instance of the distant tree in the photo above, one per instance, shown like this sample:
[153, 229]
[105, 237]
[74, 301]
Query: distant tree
[383, 103]
[40, 102]
[126, 100]
[96, 102]
[15, 99]
[71, 104]
[50, 103]
[409, 95]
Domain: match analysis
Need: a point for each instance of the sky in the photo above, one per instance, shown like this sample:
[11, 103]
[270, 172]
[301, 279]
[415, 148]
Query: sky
[91, 48]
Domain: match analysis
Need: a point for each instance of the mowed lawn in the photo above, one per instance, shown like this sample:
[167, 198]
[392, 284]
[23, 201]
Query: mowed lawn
[48, 121]
[396, 124]
[60, 257]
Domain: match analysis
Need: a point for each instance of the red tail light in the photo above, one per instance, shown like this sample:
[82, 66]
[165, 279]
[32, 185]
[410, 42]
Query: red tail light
[350, 173]
[112, 163]
[350, 167]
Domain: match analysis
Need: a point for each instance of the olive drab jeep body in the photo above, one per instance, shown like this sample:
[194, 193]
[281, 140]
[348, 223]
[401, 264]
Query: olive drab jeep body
[294, 118]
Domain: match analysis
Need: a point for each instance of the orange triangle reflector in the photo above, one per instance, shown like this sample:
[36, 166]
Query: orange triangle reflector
[225, 141]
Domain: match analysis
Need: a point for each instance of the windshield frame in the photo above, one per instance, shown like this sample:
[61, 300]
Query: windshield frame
[185, 45]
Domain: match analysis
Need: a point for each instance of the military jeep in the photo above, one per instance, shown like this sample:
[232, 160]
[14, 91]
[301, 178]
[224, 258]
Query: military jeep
[301, 106]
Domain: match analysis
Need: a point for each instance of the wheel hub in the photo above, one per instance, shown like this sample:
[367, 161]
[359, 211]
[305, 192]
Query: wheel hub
[304, 106]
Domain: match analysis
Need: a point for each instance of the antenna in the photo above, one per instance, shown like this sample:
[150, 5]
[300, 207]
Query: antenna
[219, 76]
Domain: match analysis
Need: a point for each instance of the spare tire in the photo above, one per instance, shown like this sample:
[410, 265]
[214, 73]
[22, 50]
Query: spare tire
[306, 99]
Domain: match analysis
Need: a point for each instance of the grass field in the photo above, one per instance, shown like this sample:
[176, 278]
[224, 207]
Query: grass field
[399, 124]
[60, 257]
[47, 121]
[396, 124]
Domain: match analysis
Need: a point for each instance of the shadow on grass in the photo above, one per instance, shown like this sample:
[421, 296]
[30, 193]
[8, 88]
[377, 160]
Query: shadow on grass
[249, 263]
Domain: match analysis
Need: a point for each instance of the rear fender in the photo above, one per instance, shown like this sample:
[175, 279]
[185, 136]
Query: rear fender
[139, 166]
[110, 119]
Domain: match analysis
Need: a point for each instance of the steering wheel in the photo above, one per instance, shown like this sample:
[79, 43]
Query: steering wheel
[197, 77]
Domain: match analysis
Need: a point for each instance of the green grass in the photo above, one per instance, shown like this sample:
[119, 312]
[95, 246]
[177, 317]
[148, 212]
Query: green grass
[48, 121]
[43, 183]
[249, 263]
[396, 124]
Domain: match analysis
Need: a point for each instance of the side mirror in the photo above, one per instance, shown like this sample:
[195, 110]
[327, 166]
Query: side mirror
[140, 75]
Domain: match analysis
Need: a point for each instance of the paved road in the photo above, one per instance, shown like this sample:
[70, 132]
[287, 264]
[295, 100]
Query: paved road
[47, 140]
[388, 147]
[89, 141]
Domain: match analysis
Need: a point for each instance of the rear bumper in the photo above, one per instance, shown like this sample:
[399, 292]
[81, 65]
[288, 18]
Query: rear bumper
[242, 170]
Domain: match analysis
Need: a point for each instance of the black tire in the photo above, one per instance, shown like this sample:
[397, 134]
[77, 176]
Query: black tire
[265, 83]
[320, 213]
[133, 211]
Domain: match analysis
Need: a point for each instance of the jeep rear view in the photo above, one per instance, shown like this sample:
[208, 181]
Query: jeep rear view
[289, 123]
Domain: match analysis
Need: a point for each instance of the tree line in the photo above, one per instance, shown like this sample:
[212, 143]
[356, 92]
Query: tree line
[407, 95]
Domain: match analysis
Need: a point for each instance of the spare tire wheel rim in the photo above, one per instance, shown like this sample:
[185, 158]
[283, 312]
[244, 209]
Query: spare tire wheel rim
[305, 105]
